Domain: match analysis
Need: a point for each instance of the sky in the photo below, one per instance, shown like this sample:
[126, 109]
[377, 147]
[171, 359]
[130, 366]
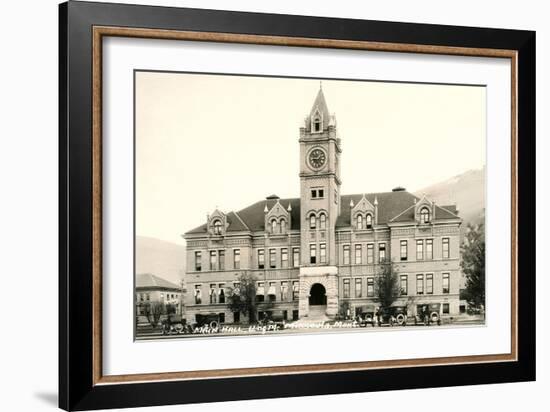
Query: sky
[213, 141]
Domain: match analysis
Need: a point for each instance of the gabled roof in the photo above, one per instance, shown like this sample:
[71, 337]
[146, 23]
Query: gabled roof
[148, 280]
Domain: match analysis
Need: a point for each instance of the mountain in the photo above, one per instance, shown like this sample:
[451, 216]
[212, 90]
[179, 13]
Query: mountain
[160, 258]
[466, 190]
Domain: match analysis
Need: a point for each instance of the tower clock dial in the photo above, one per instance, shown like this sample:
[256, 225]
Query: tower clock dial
[317, 158]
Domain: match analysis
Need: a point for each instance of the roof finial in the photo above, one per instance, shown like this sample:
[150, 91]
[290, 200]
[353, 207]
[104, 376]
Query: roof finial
[351, 203]
[266, 209]
[289, 207]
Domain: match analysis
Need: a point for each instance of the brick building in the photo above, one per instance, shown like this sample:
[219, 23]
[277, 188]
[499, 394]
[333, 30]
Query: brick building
[313, 253]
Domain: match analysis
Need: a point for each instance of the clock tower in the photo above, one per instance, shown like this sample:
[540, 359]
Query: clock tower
[320, 150]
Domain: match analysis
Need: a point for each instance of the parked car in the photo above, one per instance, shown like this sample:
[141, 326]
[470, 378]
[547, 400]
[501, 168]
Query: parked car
[274, 320]
[395, 315]
[365, 315]
[210, 319]
[174, 325]
[427, 314]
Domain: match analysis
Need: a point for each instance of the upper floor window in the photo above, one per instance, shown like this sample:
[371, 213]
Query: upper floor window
[272, 259]
[317, 123]
[283, 226]
[370, 287]
[295, 290]
[429, 249]
[429, 284]
[346, 255]
[284, 291]
[284, 258]
[419, 284]
[198, 261]
[273, 226]
[312, 221]
[358, 288]
[368, 219]
[313, 253]
[198, 295]
[358, 254]
[403, 251]
[237, 259]
[424, 215]
[322, 253]
[346, 288]
[217, 227]
[261, 258]
[446, 248]
[445, 283]
[359, 222]
[296, 257]
[403, 284]
[419, 250]
[213, 260]
[323, 221]
[370, 253]
[382, 252]
[221, 259]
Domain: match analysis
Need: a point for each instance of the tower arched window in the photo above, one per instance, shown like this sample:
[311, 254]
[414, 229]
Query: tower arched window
[368, 221]
[274, 226]
[217, 227]
[283, 226]
[312, 221]
[424, 215]
[323, 221]
[359, 222]
[317, 124]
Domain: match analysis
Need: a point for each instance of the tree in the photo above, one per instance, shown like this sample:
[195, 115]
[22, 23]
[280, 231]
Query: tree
[154, 311]
[243, 298]
[387, 287]
[473, 265]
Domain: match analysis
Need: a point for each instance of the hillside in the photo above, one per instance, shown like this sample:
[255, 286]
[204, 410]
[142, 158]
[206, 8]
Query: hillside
[161, 258]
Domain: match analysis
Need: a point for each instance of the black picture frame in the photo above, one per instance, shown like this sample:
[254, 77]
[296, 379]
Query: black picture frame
[77, 389]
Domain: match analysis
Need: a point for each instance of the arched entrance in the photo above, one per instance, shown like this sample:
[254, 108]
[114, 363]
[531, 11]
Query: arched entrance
[317, 295]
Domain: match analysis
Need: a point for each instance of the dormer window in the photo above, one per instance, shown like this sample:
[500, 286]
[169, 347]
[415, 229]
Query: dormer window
[359, 222]
[424, 215]
[312, 222]
[217, 227]
[369, 221]
[273, 226]
[283, 226]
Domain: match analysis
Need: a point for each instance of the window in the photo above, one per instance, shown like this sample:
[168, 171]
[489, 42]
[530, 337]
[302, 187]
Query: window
[260, 292]
[346, 255]
[312, 254]
[213, 260]
[273, 226]
[237, 259]
[322, 253]
[321, 193]
[370, 253]
[429, 249]
[445, 248]
[445, 309]
[312, 221]
[369, 221]
[221, 262]
[147, 297]
[358, 254]
[446, 286]
[419, 284]
[296, 257]
[314, 194]
[284, 258]
[221, 293]
[382, 252]
[283, 226]
[358, 288]
[272, 259]
[236, 317]
[295, 290]
[424, 215]
[419, 250]
[359, 222]
[316, 124]
[346, 288]
[213, 293]
[403, 284]
[217, 227]
[403, 250]
[429, 284]
[198, 261]
[261, 258]
[370, 287]
[271, 292]
[284, 291]
[323, 221]
[141, 297]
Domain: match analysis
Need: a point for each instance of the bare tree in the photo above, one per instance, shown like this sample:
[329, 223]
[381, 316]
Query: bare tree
[153, 311]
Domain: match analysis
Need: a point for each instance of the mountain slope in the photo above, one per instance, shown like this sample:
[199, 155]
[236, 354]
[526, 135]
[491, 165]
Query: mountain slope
[161, 258]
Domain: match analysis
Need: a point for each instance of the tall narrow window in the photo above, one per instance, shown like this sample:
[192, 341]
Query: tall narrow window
[313, 253]
[314, 194]
[429, 249]
[213, 293]
[316, 124]
[322, 253]
[323, 221]
[284, 258]
[271, 292]
[284, 291]
[321, 193]
[261, 258]
[312, 222]
[198, 261]
[419, 284]
[359, 222]
[370, 253]
[358, 255]
[370, 287]
[358, 288]
[198, 295]
[213, 260]
[369, 221]
[445, 248]
[446, 283]
[273, 226]
[296, 257]
[346, 288]
[221, 293]
[221, 259]
[382, 252]
[429, 284]
[403, 284]
[237, 259]
[260, 292]
[445, 309]
[283, 226]
[346, 255]
[295, 290]
[419, 250]
[424, 215]
[217, 227]
[403, 250]
[272, 259]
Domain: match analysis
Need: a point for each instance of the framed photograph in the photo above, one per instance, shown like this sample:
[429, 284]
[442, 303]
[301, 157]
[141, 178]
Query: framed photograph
[256, 205]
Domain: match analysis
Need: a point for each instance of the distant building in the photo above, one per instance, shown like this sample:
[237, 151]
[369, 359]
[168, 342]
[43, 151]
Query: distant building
[154, 289]
[314, 253]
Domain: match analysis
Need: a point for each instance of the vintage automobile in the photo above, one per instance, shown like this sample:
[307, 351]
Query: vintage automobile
[275, 321]
[210, 319]
[365, 315]
[175, 325]
[395, 315]
[428, 314]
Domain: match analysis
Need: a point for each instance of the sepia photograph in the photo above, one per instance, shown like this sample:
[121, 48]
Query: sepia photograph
[280, 205]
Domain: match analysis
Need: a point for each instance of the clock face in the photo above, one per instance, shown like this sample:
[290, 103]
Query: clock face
[317, 158]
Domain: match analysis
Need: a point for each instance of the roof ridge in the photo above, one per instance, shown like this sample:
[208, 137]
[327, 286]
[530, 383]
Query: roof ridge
[403, 212]
[242, 221]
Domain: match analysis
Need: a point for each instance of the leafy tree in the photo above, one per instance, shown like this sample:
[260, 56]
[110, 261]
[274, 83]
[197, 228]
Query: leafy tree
[387, 287]
[473, 265]
[243, 298]
[344, 307]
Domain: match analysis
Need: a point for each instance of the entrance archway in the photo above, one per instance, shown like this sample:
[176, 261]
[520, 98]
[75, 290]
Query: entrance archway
[317, 295]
